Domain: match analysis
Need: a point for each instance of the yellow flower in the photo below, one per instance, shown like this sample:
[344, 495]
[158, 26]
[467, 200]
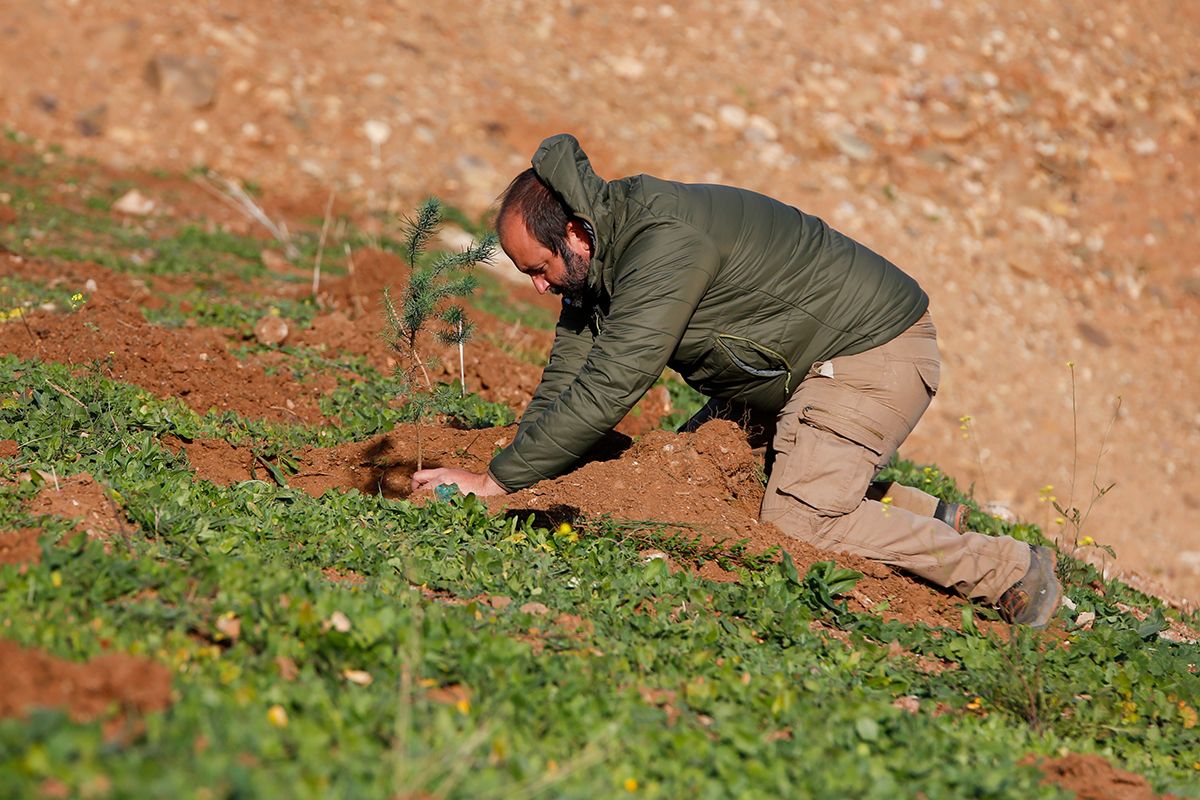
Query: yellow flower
[56, 578]
[631, 784]
[463, 705]
[1087, 541]
[1188, 715]
[567, 532]
[277, 716]
[78, 296]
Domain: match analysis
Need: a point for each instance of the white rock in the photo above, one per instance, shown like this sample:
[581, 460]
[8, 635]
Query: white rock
[1190, 560]
[1000, 511]
[732, 116]
[312, 168]
[134, 203]
[703, 122]
[850, 145]
[271, 330]
[759, 128]
[1144, 147]
[377, 131]
[627, 67]
[772, 154]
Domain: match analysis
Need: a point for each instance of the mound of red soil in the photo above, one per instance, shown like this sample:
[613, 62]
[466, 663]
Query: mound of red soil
[704, 484]
[8, 448]
[1092, 777]
[86, 691]
[20, 546]
[81, 498]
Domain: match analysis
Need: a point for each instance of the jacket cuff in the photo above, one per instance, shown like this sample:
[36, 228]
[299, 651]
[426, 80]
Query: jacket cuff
[499, 482]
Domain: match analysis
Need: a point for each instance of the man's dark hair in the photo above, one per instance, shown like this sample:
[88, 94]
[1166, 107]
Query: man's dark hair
[545, 214]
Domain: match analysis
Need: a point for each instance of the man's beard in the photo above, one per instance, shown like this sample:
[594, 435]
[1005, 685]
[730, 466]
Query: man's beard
[576, 267]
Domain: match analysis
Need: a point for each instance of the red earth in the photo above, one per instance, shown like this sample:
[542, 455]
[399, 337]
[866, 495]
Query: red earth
[114, 688]
[702, 484]
[1092, 777]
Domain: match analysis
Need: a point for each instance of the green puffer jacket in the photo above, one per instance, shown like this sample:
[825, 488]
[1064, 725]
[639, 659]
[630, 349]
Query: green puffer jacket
[737, 292]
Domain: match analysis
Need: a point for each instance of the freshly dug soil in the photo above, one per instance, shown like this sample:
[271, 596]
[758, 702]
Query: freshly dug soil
[86, 691]
[112, 337]
[703, 483]
[20, 546]
[81, 498]
[1092, 777]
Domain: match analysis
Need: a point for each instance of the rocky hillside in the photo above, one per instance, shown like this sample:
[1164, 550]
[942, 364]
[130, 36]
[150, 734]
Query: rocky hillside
[1033, 164]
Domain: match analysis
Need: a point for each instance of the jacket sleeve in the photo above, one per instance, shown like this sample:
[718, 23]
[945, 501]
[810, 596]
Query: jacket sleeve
[572, 341]
[658, 283]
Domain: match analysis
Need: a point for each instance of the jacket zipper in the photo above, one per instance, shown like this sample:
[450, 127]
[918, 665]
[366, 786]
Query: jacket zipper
[786, 370]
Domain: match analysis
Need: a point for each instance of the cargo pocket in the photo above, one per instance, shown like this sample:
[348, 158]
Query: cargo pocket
[931, 373]
[836, 454]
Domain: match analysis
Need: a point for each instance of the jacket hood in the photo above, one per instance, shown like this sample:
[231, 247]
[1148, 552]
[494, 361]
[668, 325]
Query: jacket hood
[561, 163]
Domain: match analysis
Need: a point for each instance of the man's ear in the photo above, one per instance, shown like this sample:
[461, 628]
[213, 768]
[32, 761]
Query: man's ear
[578, 238]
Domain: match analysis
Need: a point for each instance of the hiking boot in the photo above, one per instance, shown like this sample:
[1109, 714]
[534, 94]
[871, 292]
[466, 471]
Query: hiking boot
[953, 514]
[1033, 600]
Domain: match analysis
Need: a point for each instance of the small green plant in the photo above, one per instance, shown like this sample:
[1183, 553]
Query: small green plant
[428, 288]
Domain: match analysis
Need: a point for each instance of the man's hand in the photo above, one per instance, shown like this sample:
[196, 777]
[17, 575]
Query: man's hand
[478, 483]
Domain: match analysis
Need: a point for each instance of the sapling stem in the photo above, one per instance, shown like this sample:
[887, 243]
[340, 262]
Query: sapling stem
[462, 369]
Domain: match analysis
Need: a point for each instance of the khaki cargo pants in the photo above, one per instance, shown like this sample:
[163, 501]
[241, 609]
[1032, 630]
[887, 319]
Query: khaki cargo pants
[840, 427]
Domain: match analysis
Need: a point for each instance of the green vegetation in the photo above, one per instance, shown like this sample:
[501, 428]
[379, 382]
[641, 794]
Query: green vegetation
[685, 401]
[604, 672]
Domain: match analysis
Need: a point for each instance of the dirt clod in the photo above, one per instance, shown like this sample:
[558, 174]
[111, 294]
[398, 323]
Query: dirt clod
[86, 691]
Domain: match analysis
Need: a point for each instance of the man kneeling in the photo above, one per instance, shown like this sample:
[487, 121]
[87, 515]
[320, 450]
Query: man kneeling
[825, 346]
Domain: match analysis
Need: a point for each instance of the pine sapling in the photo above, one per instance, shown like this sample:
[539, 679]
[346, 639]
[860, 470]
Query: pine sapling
[447, 276]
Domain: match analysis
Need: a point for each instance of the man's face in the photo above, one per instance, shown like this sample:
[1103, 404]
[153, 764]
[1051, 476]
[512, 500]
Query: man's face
[549, 271]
